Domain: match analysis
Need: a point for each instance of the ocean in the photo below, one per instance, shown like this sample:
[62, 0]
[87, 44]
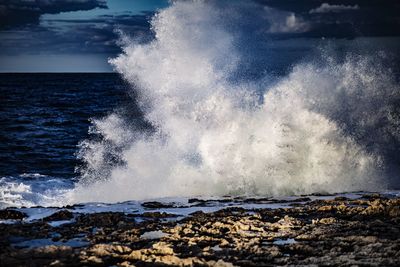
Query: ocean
[43, 118]
[227, 111]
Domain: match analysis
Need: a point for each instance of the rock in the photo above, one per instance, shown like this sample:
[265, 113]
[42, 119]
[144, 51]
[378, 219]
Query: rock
[95, 259]
[163, 248]
[135, 255]
[341, 198]
[326, 232]
[101, 219]
[157, 215]
[157, 205]
[108, 249]
[306, 237]
[125, 264]
[59, 216]
[222, 263]
[329, 220]
[362, 239]
[376, 207]
[394, 211]
[173, 260]
[342, 208]
[372, 196]
[325, 208]
[9, 214]
[289, 222]
[52, 252]
[301, 199]
[224, 243]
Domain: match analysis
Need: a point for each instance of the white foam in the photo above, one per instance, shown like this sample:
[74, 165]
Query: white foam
[153, 235]
[33, 190]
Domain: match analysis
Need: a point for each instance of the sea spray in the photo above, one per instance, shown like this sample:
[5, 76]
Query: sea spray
[322, 128]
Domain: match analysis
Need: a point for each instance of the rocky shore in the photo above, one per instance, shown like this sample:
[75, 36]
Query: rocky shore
[340, 231]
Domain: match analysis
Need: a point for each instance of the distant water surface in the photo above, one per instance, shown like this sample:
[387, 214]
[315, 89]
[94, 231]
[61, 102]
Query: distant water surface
[44, 116]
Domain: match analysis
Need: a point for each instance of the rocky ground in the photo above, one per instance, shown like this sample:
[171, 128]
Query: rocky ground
[338, 232]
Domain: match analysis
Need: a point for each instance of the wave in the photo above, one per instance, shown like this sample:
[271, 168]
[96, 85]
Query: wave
[33, 189]
[221, 125]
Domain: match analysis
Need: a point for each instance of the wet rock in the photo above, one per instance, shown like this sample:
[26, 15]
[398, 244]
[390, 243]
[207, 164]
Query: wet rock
[52, 252]
[337, 232]
[302, 199]
[157, 215]
[257, 200]
[108, 249]
[9, 214]
[326, 208]
[329, 220]
[157, 205]
[372, 196]
[59, 216]
[322, 194]
[102, 219]
[394, 211]
[220, 263]
[340, 198]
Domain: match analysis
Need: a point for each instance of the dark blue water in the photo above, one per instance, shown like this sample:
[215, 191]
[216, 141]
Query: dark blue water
[44, 116]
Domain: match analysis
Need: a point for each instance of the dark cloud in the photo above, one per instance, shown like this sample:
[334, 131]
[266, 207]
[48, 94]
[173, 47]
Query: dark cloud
[100, 34]
[94, 35]
[140, 20]
[21, 12]
[345, 19]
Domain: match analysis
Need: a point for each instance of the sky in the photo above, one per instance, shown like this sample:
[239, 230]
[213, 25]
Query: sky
[81, 35]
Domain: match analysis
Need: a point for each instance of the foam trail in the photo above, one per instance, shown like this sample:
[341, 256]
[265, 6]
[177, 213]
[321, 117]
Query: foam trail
[216, 134]
[33, 190]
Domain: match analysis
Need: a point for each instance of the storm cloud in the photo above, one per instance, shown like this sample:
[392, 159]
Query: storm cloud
[21, 12]
[98, 35]
[343, 19]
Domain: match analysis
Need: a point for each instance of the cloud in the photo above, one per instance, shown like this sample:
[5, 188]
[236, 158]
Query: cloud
[342, 19]
[94, 35]
[327, 8]
[21, 12]
[285, 22]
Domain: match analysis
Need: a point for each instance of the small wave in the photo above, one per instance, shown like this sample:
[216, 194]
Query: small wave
[28, 190]
[33, 175]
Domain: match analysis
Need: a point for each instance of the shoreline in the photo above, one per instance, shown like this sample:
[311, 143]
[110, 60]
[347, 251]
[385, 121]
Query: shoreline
[339, 231]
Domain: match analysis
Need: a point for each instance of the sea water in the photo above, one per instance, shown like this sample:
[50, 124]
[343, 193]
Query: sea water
[211, 106]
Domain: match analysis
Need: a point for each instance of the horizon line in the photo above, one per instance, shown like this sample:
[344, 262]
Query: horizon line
[53, 72]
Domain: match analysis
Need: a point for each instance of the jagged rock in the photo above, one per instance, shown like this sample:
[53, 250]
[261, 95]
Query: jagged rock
[162, 248]
[52, 252]
[9, 214]
[59, 216]
[326, 208]
[345, 232]
[107, 249]
[157, 215]
[329, 220]
[94, 259]
[157, 205]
